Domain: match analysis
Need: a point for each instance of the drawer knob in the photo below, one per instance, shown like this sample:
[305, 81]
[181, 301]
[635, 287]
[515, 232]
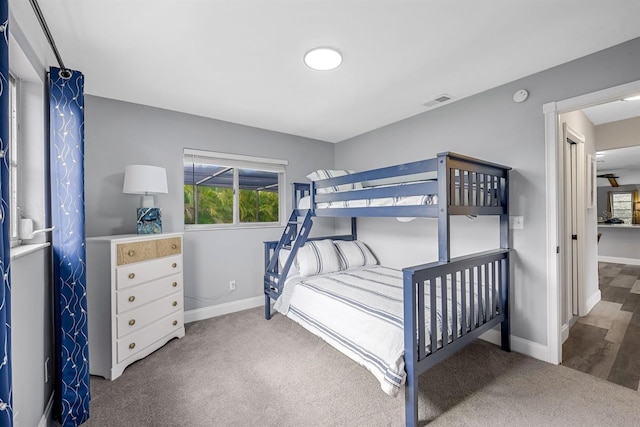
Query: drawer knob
[174, 265]
[132, 298]
[174, 284]
[174, 303]
[132, 346]
[132, 275]
[131, 252]
[175, 322]
[174, 246]
[132, 322]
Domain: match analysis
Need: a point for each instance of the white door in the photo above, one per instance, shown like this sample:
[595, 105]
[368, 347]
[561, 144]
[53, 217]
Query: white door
[574, 202]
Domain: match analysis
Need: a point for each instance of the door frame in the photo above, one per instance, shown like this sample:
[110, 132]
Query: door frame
[575, 210]
[555, 245]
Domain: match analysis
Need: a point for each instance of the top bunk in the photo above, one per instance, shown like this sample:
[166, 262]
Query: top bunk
[450, 184]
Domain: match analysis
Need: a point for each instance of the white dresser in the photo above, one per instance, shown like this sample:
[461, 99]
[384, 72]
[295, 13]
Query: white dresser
[134, 298]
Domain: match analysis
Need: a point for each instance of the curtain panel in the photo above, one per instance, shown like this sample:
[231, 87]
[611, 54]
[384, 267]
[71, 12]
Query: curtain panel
[66, 140]
[6, 405]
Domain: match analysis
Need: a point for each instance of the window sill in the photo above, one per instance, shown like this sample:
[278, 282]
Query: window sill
[22, 250]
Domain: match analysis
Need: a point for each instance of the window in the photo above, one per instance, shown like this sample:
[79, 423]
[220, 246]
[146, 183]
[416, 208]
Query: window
[13, 157]
[622, 206]
[232, 190]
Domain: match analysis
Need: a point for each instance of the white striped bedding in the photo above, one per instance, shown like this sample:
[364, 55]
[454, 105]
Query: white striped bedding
[360, 313]
[429, 199]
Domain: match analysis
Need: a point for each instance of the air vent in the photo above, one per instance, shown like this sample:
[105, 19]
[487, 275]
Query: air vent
[444, 98]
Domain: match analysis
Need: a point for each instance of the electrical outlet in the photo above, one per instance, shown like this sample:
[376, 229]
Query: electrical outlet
[516, 222]
[232, 285]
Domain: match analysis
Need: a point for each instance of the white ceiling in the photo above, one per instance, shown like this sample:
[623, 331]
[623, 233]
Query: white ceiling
[241, 61]
[612, 111]
[624, 163]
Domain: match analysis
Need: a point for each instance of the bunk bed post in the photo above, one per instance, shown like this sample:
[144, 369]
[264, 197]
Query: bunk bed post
[444, 249]
[410, 350]
[354, 230]
[267, 302]
[505, 327]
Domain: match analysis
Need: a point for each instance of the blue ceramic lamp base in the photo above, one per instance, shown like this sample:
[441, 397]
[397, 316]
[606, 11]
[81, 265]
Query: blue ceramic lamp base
[149, 221]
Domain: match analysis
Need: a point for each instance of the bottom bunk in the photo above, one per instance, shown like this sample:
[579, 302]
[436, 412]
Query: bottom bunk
[381, 317]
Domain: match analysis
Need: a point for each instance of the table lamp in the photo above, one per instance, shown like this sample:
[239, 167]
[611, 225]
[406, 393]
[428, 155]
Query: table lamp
[146, 181]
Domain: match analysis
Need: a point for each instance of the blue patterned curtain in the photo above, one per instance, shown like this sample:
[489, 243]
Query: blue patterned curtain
[6, 408]
[66, 123]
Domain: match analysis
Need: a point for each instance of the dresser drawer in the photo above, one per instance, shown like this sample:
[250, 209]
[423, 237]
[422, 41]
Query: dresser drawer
[132, 252]
[136, 319]
[136, 296]
[134, 274]
[133, 343]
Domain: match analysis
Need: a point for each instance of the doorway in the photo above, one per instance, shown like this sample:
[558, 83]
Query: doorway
[559, 257]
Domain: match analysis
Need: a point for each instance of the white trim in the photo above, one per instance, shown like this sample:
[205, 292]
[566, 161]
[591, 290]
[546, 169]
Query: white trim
[565, 332]
[239, 157]
[581, 191]
[551, 111]
[519, 345]
[46, 417]
[220, 309]
[618, 260]
[592, 301]
[22, 250]
[554, 309]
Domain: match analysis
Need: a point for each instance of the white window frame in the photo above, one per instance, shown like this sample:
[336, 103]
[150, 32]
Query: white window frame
[631, 205]
[14, 157]
[238, 161]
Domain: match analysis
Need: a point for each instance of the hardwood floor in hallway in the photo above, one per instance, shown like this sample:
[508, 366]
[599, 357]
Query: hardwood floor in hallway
[606, 343]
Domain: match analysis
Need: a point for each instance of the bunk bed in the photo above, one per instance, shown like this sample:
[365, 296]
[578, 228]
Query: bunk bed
[444, 305]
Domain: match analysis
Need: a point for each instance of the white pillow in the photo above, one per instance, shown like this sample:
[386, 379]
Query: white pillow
[318, 257]
[354, 254]
[330, 173]
[282, 259]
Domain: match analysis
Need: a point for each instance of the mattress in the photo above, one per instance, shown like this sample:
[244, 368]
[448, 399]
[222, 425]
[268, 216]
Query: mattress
[360, 313]
[429, 199]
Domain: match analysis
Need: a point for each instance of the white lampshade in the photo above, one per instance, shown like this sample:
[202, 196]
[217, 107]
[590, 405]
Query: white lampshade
[145, 180]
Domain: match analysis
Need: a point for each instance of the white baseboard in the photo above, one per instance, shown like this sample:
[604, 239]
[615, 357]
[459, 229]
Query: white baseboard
[519, 345]
[46, 419]
[565, 332]
[593, 300]
[220, 309]
[618, 260]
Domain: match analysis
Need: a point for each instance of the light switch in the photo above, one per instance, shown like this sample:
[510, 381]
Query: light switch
[516, 222]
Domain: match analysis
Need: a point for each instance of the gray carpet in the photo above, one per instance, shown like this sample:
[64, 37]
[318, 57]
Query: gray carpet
[241, 370]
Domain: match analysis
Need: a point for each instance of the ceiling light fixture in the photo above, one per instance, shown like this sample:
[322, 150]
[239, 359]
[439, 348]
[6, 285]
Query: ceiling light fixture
[323, 59]
[633, 98]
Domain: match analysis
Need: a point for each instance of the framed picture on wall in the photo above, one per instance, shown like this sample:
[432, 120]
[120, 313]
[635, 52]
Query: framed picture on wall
[592, 183]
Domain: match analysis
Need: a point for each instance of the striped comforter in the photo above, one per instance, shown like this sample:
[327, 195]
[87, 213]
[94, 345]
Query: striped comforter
[429, 199]
[360, 313]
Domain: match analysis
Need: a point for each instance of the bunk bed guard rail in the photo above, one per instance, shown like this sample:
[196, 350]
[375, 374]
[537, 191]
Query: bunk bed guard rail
[472, 295]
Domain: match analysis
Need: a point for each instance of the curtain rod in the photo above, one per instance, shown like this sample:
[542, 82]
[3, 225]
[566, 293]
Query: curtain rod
[65, 73]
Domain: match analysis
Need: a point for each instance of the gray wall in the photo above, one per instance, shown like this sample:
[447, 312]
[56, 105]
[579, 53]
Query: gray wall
[618, 242]
[491, 126]
[623, 133]
[119, 133]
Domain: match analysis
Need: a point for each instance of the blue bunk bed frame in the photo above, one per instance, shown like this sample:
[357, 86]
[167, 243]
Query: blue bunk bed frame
[464, 186]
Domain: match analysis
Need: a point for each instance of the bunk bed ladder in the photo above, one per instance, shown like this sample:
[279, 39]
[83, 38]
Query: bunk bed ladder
[293, 237]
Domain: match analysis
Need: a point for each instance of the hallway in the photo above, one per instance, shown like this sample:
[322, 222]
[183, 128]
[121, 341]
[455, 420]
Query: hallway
[606, 343]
